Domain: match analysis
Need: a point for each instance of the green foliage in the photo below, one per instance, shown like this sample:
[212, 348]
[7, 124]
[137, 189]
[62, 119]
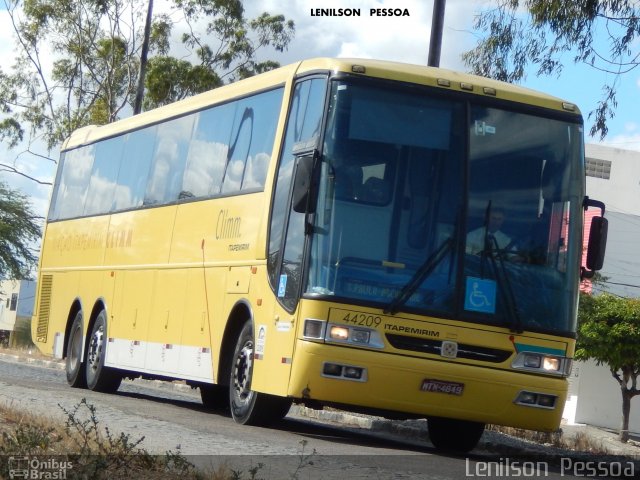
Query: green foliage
[225, 52]
[543, 33]
[94, 49]
[170, 79]
[609, 331]
[19, 229]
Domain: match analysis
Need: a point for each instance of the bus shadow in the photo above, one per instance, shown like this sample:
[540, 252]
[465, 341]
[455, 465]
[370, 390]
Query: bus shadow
[305, 428]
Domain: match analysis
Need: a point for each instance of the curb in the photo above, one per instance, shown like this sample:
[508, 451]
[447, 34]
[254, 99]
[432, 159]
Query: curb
[12, 357]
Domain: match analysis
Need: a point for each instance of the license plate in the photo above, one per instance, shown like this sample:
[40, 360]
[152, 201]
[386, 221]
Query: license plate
[438, 386]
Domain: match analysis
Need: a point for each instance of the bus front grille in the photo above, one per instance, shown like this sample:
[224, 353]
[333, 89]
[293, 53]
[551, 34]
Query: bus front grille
[434, 347]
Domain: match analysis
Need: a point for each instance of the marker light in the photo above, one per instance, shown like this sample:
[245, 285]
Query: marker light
[314, 329]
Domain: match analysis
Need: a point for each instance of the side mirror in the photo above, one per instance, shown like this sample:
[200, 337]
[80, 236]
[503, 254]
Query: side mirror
[597, 239]
[302, 182]
[597, 243]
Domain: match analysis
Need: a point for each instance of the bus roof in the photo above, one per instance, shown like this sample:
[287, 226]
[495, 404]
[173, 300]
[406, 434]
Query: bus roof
[418, 74]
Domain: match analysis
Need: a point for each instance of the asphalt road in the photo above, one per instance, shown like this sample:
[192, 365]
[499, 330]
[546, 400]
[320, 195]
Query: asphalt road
[174, 420]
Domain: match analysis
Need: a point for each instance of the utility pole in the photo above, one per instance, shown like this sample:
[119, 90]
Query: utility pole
[437, 24]
[137, 105]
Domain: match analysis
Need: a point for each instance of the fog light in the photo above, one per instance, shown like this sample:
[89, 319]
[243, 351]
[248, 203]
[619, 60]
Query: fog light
[360, 336]
[314, 329]
[551, 363]
[528, 398]
[332, 370]
[339, 333]
[532, 361]
[548, 401]
[353, 372]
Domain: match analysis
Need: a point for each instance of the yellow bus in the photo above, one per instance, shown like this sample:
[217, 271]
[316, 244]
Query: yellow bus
[370, 235]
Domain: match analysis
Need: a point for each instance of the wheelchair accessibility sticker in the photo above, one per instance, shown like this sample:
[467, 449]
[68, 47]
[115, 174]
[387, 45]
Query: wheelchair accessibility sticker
[480, 295]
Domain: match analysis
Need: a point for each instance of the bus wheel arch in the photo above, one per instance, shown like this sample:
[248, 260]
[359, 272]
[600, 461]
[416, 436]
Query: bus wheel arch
[74, 347]
[240, 314]
[249, 407]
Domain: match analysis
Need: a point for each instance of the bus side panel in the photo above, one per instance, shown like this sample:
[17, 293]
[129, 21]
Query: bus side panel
[164, 340]
[48, 332]
[74, 243]
[129, 318]
[137, 246]
[274, 333]
[200, 340]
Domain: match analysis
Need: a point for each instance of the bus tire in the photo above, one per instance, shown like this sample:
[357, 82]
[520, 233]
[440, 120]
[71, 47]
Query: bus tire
[458, 436]
[249, 407]
[74, 366]
[99, 377]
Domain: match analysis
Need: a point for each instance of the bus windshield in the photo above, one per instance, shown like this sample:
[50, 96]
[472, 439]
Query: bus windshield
[448, 208]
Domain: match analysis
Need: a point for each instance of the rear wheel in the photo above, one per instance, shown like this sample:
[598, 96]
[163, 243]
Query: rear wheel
[460, 436]
[99, 377]
[74, 366]
[247, 406]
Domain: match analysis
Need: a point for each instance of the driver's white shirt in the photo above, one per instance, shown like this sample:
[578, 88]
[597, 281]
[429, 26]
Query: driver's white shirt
[475, 240]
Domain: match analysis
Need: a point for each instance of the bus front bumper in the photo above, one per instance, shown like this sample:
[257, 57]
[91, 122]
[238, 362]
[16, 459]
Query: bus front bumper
[376, 380]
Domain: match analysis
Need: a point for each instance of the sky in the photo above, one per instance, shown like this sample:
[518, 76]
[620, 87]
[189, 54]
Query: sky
[402, 38]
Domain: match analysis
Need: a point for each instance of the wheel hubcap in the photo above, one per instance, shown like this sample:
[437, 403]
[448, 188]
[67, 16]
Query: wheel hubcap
[95, 348]
[242, 371]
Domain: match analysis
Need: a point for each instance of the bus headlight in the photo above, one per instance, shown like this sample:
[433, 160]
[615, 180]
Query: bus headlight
[542, 363]
[341, 334]
[366, 337]
[319, 330]
[551, 364]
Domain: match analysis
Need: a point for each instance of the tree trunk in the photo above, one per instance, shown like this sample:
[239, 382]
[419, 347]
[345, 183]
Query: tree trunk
[626, 408]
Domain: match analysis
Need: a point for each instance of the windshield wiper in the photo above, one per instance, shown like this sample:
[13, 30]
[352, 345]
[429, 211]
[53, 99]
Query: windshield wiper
[504, 283]
[419, 276]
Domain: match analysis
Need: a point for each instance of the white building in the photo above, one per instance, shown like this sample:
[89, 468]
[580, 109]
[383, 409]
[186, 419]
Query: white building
[16, 308]
[613, 177]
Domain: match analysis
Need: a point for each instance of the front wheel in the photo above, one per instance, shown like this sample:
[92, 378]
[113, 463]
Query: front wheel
[460, 436]
[99, 377]
[74, 366]
[247, 406]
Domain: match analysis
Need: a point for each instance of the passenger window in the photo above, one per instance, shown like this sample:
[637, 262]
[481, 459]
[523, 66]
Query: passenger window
[74, 181]
[104, 176]
[208, 151]
[172, 146]
[132, 179]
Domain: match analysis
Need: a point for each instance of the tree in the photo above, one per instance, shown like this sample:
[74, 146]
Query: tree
[609, 333]
[519, 33]
[19, 229]
[78, 62]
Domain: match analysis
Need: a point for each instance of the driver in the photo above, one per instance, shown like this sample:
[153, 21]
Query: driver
[476, 238]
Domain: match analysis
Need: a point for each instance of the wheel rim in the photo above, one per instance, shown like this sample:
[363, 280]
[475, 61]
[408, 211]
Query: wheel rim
[242, 372]
[95, 348]
[76, 348]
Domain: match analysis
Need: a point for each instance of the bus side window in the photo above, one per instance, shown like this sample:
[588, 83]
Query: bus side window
[284, 260]
[169, 159]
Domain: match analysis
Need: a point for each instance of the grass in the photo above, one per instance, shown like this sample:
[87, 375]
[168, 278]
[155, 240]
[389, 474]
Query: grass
[580, 442]
[96, 452]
